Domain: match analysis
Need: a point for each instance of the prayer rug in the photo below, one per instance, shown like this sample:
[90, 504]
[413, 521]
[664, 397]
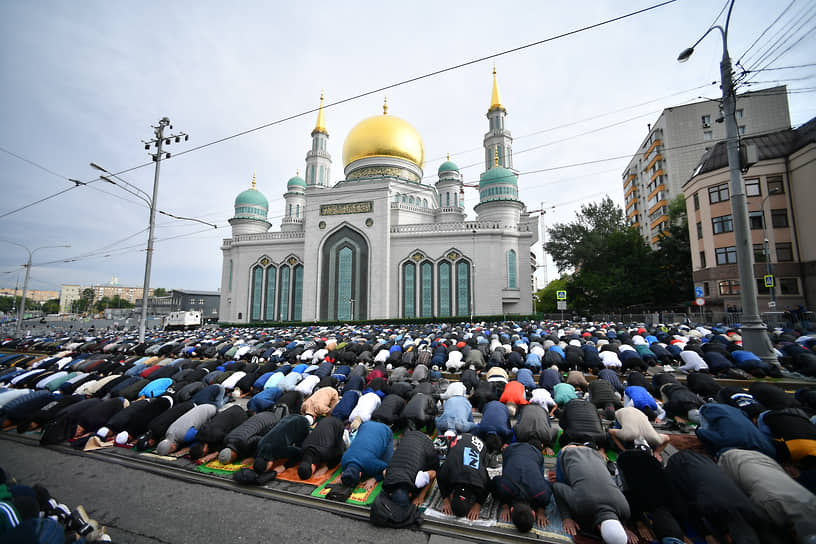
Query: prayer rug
[291, 475]
[487, 517]
[216, 467]
[553, 532]
[360, 495]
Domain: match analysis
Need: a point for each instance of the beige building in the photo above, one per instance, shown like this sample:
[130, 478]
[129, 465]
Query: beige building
[68, 295]
[781, 195]
[131, 294]
[676, 142]
[32, 294]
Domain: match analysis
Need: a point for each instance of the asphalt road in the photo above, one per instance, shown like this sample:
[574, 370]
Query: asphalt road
[139, 507]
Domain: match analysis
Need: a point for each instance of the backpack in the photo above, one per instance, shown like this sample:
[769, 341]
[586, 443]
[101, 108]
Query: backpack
[387, 513]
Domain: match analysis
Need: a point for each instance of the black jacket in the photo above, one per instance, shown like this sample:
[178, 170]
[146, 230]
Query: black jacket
[465, 466]
[415, 452]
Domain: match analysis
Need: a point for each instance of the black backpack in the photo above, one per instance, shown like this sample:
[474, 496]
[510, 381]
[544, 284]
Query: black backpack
[387, 513]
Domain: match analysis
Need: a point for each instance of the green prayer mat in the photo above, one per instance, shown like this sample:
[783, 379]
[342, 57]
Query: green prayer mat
[359, 496]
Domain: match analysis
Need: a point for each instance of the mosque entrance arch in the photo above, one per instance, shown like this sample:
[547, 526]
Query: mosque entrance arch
[344, 276]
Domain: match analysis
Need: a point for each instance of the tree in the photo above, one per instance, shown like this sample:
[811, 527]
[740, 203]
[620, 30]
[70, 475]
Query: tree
[572, 245]
[673, 258]
[546, 296]
[51, 306]
[159, 292]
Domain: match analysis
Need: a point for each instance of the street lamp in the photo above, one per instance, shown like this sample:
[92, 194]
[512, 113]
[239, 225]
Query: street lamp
[754, 331]
[765, 248]
[21, 309]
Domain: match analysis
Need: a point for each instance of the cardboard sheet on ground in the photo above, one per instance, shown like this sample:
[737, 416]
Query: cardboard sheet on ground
[360, 495]
[487, 517]
[291, 475]
[216, 467]
[553, 532]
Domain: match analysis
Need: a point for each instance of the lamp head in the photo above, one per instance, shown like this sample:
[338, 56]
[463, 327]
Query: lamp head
[684, 56]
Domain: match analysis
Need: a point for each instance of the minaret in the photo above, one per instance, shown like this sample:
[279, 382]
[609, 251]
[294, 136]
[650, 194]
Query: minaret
[498, 140]
[295, 204]
[318, 160]
[451, 195]
[251, 209]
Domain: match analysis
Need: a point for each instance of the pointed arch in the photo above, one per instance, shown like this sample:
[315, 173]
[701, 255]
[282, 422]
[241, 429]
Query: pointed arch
[344, 274]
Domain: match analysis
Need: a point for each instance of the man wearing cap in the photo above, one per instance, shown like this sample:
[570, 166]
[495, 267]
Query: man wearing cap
[368, 455]
[463, 479]
[587, 496]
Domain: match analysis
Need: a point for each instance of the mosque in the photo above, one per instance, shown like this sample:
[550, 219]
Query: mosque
[381, 244]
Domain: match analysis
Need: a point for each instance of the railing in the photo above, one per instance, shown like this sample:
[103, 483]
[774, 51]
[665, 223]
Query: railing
[458, 227]
[267, 236]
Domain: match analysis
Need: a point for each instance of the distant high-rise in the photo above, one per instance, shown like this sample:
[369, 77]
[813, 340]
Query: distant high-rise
[675, 143]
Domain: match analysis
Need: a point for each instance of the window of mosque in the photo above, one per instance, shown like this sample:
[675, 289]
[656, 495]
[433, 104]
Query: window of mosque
[462, 288]
[290, 210]
[283, 293]
[444, 289]
[455, 199]
[271, 280]
[297, 297]
[396, 198]
[511, 270]
[426, 289]
[404, 199]
[424, 202]
[409, 290]
[257, 293]
[411, 200]
[297, 210]
[447, 200]
[313, 175]
[344, 277]
[322, 171]
[229, 281]
[501, 155]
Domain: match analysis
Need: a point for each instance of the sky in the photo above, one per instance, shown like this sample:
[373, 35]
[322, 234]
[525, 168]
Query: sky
[84, 82]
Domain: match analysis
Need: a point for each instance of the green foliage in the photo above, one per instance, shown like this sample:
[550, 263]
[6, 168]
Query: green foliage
[159, 292]
[546, 297]
[87, 294]
[50, 306]
[7, 304]
[115, 302]
[615, 269]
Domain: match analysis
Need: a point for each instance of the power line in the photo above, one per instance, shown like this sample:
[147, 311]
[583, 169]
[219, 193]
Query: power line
[784, 11]
[32, 163]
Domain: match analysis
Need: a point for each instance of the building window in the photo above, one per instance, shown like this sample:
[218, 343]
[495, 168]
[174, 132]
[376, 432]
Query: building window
[706, 119]
[784, 252]
[501, 155]
[726, 255]
[702, 259]
[756, 220]
[759, 253]
[297, 295]
[696, 199]
[775, 185]
[447, 200]
[752, 187]
[699, 230]
[761, 288]
[271, 281]
[706, 289]
[718, 193]
[742, 130]
[444, 289]
[511, 270]
[788, 286]
[722, 224]
[283, 294]
[297, 210]
[257, 293]
[344, 276]
[708, 135]
[409, 290]
[729, 287]
[738, 113]
[779, 218]
[229, 281]
[426, 289]
[462, 288]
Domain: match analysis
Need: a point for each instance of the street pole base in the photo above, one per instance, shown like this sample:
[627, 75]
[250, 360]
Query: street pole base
[755, 339]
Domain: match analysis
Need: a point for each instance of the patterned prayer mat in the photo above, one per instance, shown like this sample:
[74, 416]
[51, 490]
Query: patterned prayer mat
[360, 495]
[216, 467]
[291, 475]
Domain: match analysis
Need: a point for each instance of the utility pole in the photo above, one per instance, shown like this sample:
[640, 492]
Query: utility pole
[157, 142]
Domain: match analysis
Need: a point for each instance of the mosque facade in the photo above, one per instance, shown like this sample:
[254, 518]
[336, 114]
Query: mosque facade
[380, 243]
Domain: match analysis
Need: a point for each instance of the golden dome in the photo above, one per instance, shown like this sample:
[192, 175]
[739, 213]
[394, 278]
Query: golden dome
[383, 136]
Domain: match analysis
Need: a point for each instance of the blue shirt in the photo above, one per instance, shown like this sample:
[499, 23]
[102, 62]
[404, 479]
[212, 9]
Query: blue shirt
[371, 449]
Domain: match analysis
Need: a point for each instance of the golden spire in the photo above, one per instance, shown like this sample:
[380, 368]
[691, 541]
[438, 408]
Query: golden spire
[448, 156]
[297, 172]
[385, 105]
[495, 101]
[497, 156]
[253, 181]
[320, 126]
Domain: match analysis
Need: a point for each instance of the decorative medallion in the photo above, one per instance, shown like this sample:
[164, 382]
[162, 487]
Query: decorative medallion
[292, 261]
[417, 256]
[264, 261]
[453, 255]
[383, 171]
[369, 222]
[321, 225]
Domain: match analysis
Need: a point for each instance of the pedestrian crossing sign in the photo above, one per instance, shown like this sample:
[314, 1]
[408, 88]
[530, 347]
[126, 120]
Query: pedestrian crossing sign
[560, 295]
[769, 280]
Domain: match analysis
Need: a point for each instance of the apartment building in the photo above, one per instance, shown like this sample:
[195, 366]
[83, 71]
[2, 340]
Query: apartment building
[781, 196]
[676, 142]
[69, 293]
[37, 295]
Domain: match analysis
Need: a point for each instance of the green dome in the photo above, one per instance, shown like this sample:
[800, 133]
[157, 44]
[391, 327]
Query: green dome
[296, 181]
[497, 174]
[448, 166]
[252, 197]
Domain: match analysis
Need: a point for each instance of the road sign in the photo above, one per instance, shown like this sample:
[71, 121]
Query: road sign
[560, 295]
[769, 280]
[700, 301]
[698, 291]
[561, 305]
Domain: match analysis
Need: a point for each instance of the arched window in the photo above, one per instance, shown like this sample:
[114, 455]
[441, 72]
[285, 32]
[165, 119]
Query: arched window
[229, 281]
[411, 200]
[344, 276]
[396, 197]
[501, 155]
[447, 200]
[444, 289]
[297, 296]
[409, 290]
[313, 175]
[297, 210]
[257, 293]
[424, 202]
[462, 288]
[455, 199]
[283, 293]
[426, 289]
[322, 171]
[271, 282]
[511, 270]
[290, 210]
[404, 199]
